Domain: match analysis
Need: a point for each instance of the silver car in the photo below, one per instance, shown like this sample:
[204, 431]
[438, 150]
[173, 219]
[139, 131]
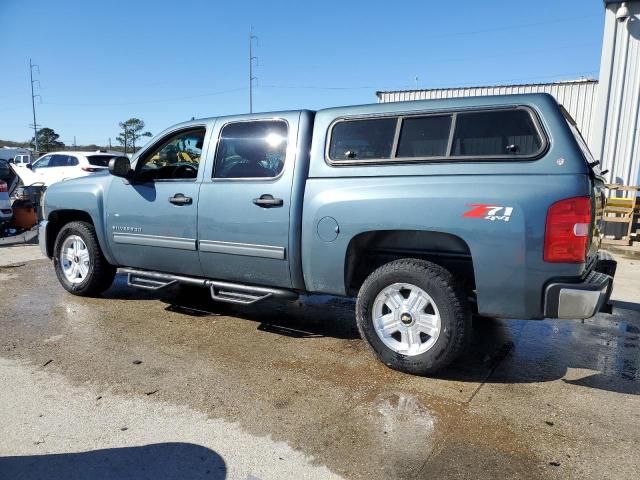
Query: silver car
[5, 205]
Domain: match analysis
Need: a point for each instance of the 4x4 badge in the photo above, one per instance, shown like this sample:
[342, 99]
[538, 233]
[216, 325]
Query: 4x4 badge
[489, 212]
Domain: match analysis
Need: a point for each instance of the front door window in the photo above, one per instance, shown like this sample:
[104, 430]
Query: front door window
[178, 157]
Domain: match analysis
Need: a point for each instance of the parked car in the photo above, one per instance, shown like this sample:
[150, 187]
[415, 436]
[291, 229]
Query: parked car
[57, 166]
[6, 173]
[6, 212]
[427, 212]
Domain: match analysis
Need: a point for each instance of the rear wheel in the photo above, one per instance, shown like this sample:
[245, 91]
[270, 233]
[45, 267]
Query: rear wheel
[79, 263]
[413, 315]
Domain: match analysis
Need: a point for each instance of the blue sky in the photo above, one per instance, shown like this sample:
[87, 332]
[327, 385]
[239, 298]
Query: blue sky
[104, 61]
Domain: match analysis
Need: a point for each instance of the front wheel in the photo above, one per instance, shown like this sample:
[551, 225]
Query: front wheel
[79, 263]
[413, 316]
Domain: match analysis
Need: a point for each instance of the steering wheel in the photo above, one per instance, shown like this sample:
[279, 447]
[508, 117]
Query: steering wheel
[184, 171]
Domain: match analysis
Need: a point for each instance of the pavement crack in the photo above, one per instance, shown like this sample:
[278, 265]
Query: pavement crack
[503, 352]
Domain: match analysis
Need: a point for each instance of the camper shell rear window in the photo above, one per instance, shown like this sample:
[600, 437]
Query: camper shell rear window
[510, 133]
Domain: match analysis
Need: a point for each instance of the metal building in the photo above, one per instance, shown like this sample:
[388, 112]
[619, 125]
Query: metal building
[607, 111]
[577, 96]
[616, 122]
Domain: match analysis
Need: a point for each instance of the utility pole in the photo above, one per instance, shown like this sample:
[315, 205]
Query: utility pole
[252, 37]
[74, 141]
[33, 103]
[109, 143]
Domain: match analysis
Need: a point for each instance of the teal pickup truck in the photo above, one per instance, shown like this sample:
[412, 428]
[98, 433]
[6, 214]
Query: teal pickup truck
[428, 212]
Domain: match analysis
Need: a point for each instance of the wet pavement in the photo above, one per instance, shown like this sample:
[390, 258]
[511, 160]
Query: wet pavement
[548, 399]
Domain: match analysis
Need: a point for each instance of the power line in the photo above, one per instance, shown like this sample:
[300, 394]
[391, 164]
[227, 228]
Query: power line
[145, 102]
[511, 27]
[503, 54]
[252, 37]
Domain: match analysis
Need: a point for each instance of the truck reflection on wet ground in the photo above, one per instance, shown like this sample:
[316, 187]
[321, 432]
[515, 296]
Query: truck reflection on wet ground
[500, 351]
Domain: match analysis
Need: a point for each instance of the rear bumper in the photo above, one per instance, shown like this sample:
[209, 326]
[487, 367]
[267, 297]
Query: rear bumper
[583, 299]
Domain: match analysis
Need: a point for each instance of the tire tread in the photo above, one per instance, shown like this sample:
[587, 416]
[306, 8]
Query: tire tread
[455, 296]
[102, 272]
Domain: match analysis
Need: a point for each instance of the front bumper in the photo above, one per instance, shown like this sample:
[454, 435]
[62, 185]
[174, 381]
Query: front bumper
[42, 237]
[583, 299]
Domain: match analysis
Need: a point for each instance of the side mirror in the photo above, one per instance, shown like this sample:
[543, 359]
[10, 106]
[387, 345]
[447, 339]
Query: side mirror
[29, 166]
[120, 167]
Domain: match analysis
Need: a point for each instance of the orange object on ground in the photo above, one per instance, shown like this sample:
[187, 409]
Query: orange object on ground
[24, 217]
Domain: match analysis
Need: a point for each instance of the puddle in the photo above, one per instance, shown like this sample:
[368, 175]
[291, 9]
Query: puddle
[404, 419]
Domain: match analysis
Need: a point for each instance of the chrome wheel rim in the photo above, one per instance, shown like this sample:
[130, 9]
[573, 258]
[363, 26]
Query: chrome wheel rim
[406, 319]
[75, 259]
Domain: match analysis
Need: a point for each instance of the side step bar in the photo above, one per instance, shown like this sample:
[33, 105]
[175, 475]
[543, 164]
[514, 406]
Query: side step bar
[220, 291]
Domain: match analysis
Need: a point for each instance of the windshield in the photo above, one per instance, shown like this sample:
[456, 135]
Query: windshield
[592, 162]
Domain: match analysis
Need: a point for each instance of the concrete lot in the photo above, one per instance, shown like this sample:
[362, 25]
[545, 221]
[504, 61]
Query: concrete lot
[134, 385]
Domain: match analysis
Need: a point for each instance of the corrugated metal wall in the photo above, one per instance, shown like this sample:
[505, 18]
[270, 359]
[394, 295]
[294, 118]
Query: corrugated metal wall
[617, 142]
[578, 97]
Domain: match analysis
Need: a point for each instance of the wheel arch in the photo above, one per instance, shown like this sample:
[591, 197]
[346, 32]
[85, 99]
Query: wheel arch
[59, 218]
[369, 250]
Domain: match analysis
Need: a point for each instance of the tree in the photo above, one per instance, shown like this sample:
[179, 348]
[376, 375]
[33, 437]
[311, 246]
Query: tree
[47, 140]
[132, 131]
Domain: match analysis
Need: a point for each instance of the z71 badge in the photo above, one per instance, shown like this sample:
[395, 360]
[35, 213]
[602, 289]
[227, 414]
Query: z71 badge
[489, 212]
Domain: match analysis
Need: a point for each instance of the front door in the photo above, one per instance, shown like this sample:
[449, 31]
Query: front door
[152, 219]
[243, 225]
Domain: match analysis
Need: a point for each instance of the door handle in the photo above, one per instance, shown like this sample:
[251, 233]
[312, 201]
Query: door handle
[180, 199]
[267, 201]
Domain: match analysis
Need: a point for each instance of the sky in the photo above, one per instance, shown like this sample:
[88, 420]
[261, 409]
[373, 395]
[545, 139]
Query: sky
[104, 61]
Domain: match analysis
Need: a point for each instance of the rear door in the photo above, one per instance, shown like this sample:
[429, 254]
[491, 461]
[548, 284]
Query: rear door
[245, 201]
[69, 167]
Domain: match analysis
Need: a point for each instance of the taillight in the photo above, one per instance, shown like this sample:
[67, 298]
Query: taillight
[90, 169]
[566, 236]
[3, 187]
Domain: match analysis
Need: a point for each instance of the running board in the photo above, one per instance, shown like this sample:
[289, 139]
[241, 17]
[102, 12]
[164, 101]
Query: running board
[146, 283]
[229, 292]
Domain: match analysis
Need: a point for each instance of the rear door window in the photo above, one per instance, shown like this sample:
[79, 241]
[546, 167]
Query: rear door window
[61, 161]
[496, 133]
[254, 149]
[364, 139]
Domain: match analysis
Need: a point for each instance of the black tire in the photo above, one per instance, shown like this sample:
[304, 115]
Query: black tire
[100, 274]
[451, 302]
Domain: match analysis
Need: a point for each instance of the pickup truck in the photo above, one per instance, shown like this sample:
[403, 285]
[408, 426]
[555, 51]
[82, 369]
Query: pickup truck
[428, 212]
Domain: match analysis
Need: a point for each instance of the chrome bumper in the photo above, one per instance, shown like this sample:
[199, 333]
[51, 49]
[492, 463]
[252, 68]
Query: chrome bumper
[42, 237]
